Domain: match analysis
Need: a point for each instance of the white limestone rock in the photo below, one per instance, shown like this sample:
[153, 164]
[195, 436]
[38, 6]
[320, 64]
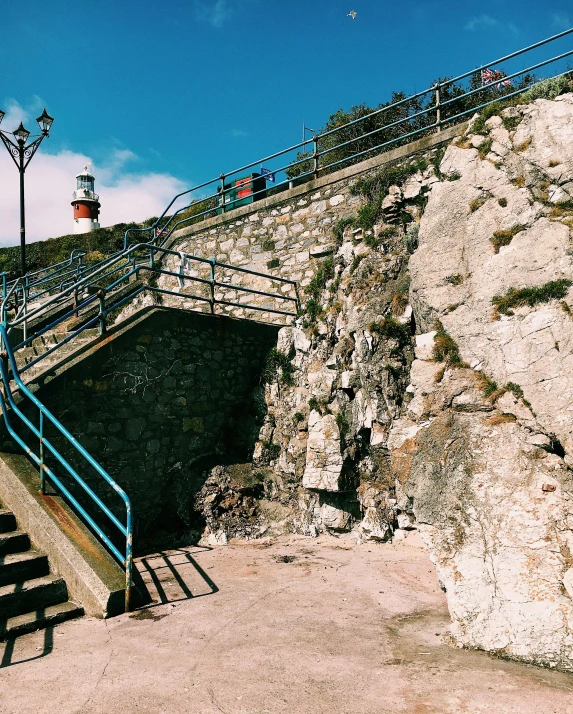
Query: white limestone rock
[323, 456]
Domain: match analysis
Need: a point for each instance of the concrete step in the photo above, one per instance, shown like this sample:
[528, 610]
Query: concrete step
[39, 619]
[19, 567]
[7, 521]
[19, 598]
[14, 542]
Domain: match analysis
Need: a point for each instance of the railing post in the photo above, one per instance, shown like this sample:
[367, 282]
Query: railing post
[25, 306]
[212, 264]
[101, 298]
[42, 465]
[151, 258]
[3, 286]
[128, 559]
[298, 305]
[438, 108]
[222, 177]
[315, 157]
[76, 313]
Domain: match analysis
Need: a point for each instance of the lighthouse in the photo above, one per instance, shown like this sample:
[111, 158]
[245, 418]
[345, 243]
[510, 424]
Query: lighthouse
[86, 203]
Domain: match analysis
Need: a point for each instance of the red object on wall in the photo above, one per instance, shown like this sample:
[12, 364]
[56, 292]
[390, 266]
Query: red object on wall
[244, 192]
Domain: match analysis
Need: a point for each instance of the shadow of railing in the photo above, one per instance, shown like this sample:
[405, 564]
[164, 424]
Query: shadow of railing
[9, 646]
[175, 576]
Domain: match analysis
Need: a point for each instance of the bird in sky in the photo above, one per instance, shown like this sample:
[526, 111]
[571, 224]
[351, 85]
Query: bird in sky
[352, 14]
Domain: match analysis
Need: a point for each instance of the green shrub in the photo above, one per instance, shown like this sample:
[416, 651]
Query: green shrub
[273, 450]
[313, 310]
[553, 290]
[485, 147]
[391, 329]
[547, 89]
[339, 227]
[324, 273]
[412, 237]
[314, 404]
[343, 425]
[374, 241]
[278, 363]
[511, 123]
[375, 188]
[488, 386]
[356, 262]
[454, 279]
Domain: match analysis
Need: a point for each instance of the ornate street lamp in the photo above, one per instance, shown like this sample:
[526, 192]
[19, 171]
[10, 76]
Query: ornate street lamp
[21, 154]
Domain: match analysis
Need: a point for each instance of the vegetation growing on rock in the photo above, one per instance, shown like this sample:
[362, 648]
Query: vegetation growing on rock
[552, 290]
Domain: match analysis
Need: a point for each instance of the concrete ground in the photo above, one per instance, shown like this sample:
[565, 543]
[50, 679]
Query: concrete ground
[298, 625]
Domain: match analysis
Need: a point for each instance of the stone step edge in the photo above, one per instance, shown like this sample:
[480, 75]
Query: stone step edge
[30, 621]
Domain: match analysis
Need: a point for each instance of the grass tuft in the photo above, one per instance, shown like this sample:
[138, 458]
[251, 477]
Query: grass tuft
[501, 419]
[446, 348]
[278, 363]
[476, 204]
[391, 329]
[399, 304]
[501, 238]
[553, 290]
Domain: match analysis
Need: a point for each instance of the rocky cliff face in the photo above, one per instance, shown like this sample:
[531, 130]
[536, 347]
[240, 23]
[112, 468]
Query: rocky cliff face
[490, 477]
[429, 386]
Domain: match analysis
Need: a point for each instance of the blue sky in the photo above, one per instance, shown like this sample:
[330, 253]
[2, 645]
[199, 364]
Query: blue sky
[164, 94]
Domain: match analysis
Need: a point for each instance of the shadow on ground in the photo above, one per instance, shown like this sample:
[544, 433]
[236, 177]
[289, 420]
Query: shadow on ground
[173, 576]
[9, 645]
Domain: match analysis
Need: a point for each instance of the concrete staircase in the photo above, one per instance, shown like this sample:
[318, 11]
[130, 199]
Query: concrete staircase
[45, 342]
[30, 597]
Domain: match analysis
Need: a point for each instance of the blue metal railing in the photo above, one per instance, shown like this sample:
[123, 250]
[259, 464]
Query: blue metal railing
[119, 273]
[63, 285]
[418, 119]
[315, 164]
[45, 447]
[128, 265]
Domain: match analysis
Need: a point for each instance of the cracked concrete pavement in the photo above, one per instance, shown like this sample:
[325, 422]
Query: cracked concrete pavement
[341, 628]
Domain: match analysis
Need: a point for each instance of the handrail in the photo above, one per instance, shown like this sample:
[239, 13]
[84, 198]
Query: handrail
[62, 280]
[9, 369]
[310, 163]
[8, 365]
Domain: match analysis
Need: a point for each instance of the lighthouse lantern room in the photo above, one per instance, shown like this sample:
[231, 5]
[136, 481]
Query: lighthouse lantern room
[86, 203]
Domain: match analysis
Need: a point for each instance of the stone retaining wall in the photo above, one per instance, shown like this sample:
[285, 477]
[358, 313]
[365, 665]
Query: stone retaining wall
[286, 235]
[174, 388]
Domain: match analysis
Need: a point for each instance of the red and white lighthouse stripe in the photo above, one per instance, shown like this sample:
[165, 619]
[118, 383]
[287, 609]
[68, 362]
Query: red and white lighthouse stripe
[86, 203]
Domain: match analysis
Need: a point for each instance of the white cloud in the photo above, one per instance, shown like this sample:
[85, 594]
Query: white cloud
[218, 12]
[215, 13]
[239, 133]
[560, 20]
[487, 22]
[16, 113]
[50, 180]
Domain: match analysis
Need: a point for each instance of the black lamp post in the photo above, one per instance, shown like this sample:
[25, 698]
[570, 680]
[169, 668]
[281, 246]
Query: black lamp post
[21, 154]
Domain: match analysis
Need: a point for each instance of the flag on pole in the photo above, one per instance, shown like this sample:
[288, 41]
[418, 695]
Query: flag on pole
[493, 76]
[269, 175]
